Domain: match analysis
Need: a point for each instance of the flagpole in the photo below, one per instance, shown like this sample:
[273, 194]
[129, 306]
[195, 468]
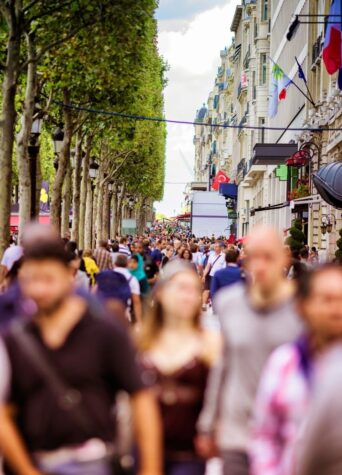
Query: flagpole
[299, 89]
[306, 82]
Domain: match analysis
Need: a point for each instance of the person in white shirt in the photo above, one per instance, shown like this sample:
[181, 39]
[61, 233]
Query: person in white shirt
[121, 268]
[123, 247]
[216, 261]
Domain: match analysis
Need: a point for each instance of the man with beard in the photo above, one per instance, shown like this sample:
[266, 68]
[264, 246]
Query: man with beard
[67, 365]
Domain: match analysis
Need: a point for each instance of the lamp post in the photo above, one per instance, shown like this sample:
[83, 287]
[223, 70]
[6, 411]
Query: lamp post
[57, 138]
[328, 223]
[33, 150]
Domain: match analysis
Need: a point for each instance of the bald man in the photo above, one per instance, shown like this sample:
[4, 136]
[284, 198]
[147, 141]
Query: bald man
[255, 319]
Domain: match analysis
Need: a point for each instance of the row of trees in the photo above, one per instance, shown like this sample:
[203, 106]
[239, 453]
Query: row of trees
[98, 54]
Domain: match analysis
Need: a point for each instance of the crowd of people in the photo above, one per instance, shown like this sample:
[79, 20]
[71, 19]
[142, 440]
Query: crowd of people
[108, 364]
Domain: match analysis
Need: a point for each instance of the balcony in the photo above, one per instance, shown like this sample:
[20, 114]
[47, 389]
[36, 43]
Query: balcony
[241, 88]
[317, 50]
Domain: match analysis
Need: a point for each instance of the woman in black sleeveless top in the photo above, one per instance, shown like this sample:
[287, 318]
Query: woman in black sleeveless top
[177, 355]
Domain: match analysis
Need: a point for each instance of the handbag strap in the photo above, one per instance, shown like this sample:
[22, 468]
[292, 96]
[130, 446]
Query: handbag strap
[68, 398]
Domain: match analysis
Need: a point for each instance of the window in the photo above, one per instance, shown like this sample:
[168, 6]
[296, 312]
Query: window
[263, 69]
[254, 85]
[255, 29]
[261, 131]
[264, 10]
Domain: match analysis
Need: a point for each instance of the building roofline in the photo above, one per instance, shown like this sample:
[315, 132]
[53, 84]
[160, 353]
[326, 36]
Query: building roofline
[236, 19]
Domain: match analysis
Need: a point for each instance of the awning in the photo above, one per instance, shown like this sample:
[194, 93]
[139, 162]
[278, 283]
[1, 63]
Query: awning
[229, 190]
[14, 220]
[273, 153]
[328, 181]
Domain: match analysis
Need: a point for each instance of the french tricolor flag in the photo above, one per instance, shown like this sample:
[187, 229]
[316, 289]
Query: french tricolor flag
[332, 49]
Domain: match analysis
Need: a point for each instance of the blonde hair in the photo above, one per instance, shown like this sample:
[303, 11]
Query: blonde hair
[153, 321]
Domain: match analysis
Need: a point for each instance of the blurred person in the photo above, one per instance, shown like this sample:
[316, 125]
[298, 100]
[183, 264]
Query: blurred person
[90, 266]
[280, 413]
[314, 258]
[186, 255]
[121, 267]
[178, 355]
[151, 269]
[231, 274]
[169, 253]
[78, 360]
[304, 257]
[216, 261]
[103, 257]
[255, 319]
[123, 247]
[71, 246]
[157, 255]
[82, 281]
[136, 268]
[115, 252]
[321, 446]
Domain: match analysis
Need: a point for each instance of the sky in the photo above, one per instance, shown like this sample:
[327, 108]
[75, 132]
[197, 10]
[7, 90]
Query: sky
[191, 35]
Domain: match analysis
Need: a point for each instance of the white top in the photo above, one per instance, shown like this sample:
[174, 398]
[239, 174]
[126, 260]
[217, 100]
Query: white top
[197, 258]
[217, 262]
[11, 255]
[132, 281]
[115, 255]
[124, 250]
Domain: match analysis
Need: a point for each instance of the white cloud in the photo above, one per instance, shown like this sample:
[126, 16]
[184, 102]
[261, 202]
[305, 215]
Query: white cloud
[192, 49]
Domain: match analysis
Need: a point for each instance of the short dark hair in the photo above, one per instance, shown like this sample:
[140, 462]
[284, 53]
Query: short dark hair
[53, 250]
[232, 256]
[103, 243]
[304, 253]
[134, 258]
[306, 279]
[121, 261]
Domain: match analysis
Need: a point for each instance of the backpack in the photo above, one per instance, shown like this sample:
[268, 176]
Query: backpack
[113, 285]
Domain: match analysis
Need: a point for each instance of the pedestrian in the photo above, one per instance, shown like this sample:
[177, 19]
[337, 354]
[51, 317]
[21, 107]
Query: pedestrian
[157, 255]
[67, 364]
[178, 355]
[103, 257]
[123, 247]
[169, 253]
[135, 307]
[136, 268]
[186, 255]
[280, 413]
[255, 319]
[215, 262]
[90, 266]
[81, 278]
[230, 275]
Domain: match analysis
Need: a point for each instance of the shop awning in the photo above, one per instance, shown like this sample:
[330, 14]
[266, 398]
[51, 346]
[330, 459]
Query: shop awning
[273, 153]
[229, 190]
[328, 181]
[14, 220]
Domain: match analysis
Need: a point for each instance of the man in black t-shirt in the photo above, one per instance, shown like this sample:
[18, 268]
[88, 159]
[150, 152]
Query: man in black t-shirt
[92, 358]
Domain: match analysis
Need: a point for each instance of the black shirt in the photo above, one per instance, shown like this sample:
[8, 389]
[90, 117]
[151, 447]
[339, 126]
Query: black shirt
[97, 359]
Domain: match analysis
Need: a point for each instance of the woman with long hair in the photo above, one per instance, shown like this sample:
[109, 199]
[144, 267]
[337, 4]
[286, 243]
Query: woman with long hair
[177, 354]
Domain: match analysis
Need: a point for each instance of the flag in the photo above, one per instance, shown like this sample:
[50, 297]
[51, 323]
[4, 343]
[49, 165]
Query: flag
[279, 83]
[220, 177]
[301, 73]
[332, 49]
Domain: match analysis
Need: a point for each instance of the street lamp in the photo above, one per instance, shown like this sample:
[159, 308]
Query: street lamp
[328, 223]
[93, 169]
[111, 186]
[33, 150]
[73, 158]
[120, 189]
[57, 138]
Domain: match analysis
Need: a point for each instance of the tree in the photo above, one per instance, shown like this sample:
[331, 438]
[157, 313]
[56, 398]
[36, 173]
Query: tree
[297, 239]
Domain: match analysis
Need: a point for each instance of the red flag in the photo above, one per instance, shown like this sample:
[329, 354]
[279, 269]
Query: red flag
[220, 177]
[332, 49]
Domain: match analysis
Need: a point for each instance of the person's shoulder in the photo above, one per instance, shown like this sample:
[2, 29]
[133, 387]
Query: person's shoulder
[235, 292]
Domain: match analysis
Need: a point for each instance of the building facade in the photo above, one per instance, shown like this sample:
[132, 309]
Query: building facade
[273, 189]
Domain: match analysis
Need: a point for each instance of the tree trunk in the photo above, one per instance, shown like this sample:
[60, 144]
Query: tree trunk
[88, 222]
[39, 184]
[7, 121]
[83, 196]
[66, 202]
[98, 205]
[113, 216]
[23, 139]
[76, 189]
[64, 158]
[105, 213]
